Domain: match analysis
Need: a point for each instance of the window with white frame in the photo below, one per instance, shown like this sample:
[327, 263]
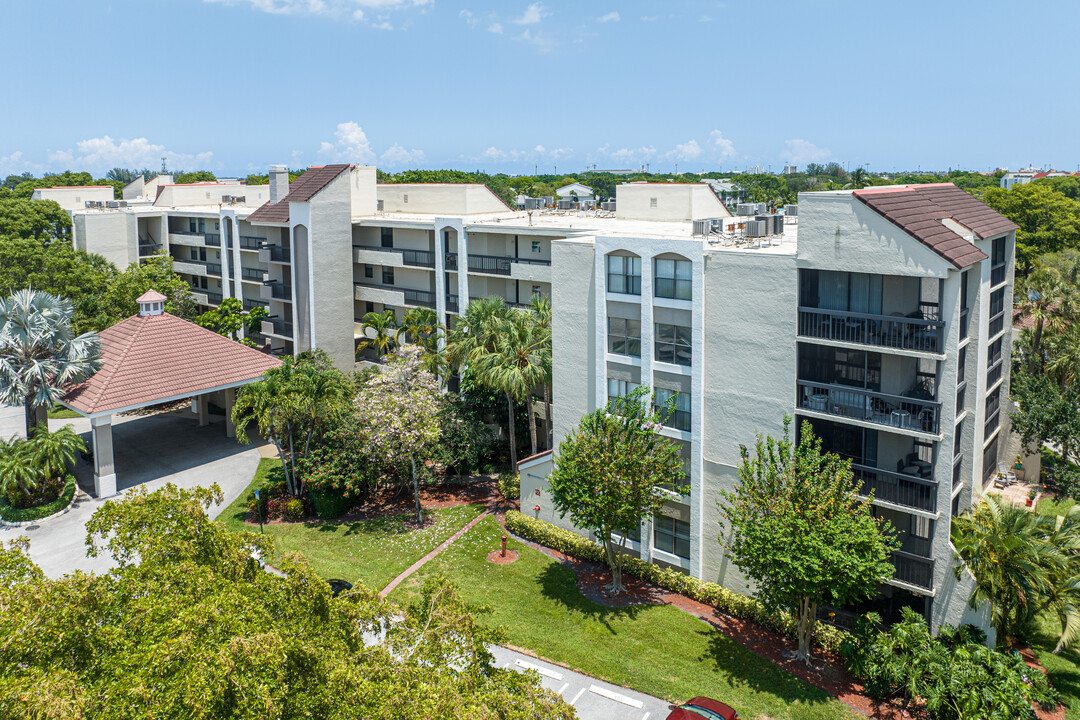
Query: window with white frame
[624, 274]
[624, 337]
[671, 536]
[672, 344]
[672, 279]
[679, 417]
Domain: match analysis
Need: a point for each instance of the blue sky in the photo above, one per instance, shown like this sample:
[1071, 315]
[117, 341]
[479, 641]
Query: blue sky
[509, 85]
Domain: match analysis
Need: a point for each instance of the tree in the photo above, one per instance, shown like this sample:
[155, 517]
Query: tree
[611, 471]
[796, 526]
[420, 326]
[859, 179]
[540, 307]
[54, 452]
[398, 414]
[1044, 297]
[951, 677]
[42, 220]
[153, 273]
[189, 625]
[379, 332]
[1049, 220]
[226, 319]
[1047, 412]
[40, 355]
[185, 178]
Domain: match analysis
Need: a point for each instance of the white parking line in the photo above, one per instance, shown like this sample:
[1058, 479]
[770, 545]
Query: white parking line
[542, 670]
[578, 696]
[604, 692]
[563, 689]
[646, 716]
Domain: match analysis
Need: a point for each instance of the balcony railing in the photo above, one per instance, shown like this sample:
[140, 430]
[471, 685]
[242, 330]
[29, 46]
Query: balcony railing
[489, 264]
[213, 239]
[281, 327]
[416, 258]
[897, 488]
[897, 411]
[277, 253]
[450, 261]
[419, 297]
[250, 304]
[251, 274]
[148, 247]
[913, 570]
[279, 291]
[903, 333]
[452, 303]
[213, 267]
[250, 242]
[213, 297]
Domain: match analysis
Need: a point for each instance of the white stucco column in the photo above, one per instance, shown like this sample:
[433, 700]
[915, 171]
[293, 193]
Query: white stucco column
[104, 469]
[230, 400]
[202, 409]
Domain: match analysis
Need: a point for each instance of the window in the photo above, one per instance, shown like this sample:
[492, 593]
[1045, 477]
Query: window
[961, 365]
[388, 275]
[369, 306]
[920, 526]
[997, 301]
[624, 274]
[993, 353]
[369, 271]
[537, 290]
[672, 279]
[673, 344]
[680, 414]
[536, 246]
[993, 402]
[386, 237]
[671, 536]
[652, 202]
[202, 224]
[958, 433]
[990, 459]
[405, 198]
[203, 283]
[192, 225]
[624, 337]
[618, 388]
[997, 254]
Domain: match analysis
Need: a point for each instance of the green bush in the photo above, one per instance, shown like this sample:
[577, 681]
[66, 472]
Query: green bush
[16, 514]
[270, 490]
[294, 510]
[510, 486]
[727, 601]
[329, 503]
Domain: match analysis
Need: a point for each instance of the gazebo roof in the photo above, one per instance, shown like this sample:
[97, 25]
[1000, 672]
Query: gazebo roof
[148, 359]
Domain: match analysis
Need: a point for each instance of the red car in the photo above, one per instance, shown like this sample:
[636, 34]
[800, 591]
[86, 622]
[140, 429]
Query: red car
[703, 708]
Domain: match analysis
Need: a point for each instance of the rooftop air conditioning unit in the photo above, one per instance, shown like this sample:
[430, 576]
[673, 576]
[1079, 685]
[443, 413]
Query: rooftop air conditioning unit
[94, 204]
[746, 209]
[702, 227]
[791, 210]
[547, 200]
[112, 203]
[565, 205]
[532, 204]
[756, 228]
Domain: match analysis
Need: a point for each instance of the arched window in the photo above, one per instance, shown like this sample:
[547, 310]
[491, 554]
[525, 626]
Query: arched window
[624, 273]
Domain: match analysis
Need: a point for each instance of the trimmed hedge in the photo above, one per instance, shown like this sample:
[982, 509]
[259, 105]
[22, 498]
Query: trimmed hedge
[330, 503]
[14, 514]
[727, 601]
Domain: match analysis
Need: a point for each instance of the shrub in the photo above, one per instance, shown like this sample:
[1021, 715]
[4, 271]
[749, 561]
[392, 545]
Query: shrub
[510, 486]
[62, 500]
[336, 463]
[294, 509]
[329, 503]
[727, 601]
[269, 491]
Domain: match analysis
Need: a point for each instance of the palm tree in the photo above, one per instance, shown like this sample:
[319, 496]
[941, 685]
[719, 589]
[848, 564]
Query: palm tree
[515, 367]
[540, 307]
[859, 179]
[420, 326]
[379, 332]
[1050, 302]
[40, 355]
[272, 405]
[476, 329]
[54, 452]
[16, 468]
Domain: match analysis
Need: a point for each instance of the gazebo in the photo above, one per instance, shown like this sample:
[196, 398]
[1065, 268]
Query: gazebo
[154, 358]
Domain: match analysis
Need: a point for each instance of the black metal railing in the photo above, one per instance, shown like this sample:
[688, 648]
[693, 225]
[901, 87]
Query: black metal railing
[250, 242]
[279, 291]
[213, 267]
[416, 258]
[452, 303]
[277, 253]
[419, 297]
[897, 488]
[450, 261]
[251, 274]
[489, 264]
[250, 304]
[897, 411]
[997, 275]
[913, 570]
[280, 327]
[212, 297]
[904, 333]
[212, 239]
[148, 247]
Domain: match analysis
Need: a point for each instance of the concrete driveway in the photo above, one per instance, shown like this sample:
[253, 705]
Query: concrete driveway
[593, 699]
[149, 451]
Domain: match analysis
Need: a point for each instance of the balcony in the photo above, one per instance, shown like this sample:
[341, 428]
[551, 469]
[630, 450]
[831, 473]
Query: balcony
[213, 298]
[253, 274]
[250, 242]
[250, 304]
[213, 268]
[419, 297]
[915, 332]
[897, 488]
[896, 411]
[212, 239]
[276, 290]
[913, 570]
[184, 237]
[148, 247]
[277, 326]
[413, 258]
[274, 253]
[452, 303]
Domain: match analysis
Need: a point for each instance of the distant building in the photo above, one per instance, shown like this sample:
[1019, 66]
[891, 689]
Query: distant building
[1026, 175]
[581, 192]
[791, 169]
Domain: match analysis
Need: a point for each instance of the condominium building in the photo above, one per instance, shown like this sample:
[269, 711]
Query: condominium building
[878, 315]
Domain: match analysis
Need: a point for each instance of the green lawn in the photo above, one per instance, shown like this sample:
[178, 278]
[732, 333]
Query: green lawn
[372, 552]
[658, 650]
[1064, 668]
[62, 413]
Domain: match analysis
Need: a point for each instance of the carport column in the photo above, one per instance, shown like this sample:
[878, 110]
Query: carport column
[230, 400]
[104, 470]
[202, 409]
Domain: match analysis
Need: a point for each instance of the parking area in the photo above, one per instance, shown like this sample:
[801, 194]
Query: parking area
[593, 699]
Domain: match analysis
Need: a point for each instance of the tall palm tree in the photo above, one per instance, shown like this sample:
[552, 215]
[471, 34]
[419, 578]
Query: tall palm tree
[515, 367]
[40, 355]
[540, 307]
[272, 405]
[476, 329]
[1050, 302]
[379, 330]
[420, 326]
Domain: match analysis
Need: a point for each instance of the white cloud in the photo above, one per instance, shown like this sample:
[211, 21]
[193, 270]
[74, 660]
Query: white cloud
[612, 16]
[397, 156]
[383, 25]
[333, 8]
[533, 14]
[350, 145]
[650, 18]
[801, 152]
[725, 149]
[104, 153]
[470, 19]
[641, 154]
[495, 28]
[562, 153]
[539, 150]
[12, 163]
[539, 39]
[684, 152]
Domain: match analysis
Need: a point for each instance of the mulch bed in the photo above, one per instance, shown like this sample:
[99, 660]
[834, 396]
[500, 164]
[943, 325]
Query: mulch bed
[496, 557]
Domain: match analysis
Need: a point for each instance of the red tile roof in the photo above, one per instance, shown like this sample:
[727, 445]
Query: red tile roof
[301, 189]
[148, 359]
[919, 209]
[149, 296]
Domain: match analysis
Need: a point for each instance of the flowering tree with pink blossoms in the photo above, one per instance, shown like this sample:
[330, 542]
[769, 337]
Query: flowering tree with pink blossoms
[398, 414]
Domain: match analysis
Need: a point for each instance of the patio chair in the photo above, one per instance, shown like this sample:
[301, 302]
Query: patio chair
[1005, 472]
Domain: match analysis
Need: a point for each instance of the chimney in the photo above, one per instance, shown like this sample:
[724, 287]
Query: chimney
[279, 182]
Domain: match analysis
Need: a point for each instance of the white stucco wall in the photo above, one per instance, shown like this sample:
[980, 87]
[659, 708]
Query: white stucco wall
[446, 199]
[74, 198]
[674, 202]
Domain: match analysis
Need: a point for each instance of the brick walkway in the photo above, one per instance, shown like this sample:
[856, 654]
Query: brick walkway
[442, 546]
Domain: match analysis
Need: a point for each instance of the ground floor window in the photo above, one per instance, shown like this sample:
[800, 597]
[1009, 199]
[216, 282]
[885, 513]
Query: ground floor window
[672, 536]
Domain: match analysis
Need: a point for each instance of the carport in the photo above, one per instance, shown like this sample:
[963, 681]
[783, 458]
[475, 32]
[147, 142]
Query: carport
[152, 358]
